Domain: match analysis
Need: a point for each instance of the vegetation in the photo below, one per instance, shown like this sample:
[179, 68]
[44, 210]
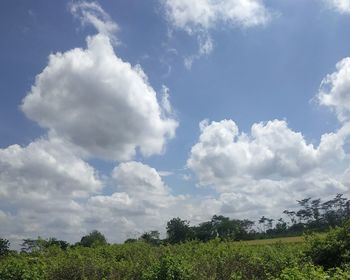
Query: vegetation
[206, 251]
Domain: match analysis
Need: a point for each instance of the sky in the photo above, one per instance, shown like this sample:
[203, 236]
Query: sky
[120, 115]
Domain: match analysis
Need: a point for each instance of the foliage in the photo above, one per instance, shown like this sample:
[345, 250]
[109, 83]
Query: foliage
[151, 237]
[39, 244]
[23, 268]
[170, 268]
[4, 247]
[179, 231]
[93, 239]
[330, 250]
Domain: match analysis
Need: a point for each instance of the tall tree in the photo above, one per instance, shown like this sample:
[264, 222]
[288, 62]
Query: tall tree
[151, 237]
[4, 246]
[94, 238]
[179, 231]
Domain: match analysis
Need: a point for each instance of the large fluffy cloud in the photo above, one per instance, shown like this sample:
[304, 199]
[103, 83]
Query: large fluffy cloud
[94, 105]
[46, 168]
[98, 102]
[141, 198]
[272, 150]
[265, 171]
[335, 90]
[45, 190]
[40, 185]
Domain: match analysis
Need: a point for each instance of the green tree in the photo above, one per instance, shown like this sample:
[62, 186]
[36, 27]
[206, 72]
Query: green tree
[4, 246]
[33, 245]
[179, 231]
[93, 239]
[151, 237]
[205, 231]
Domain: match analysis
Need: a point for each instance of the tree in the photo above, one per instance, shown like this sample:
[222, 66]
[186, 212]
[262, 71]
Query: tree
[205, 231]
[39, 244]
[130, 240]
[4, 246]
[33, 245]
[93, 239]
[55, 242]
[179, 231]
[151, 237]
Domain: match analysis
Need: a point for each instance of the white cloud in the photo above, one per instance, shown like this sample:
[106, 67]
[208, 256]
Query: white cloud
[166, 105]
[141, 198]
[335, 90]
[94, 105]
[199, 17]
[206, 46]
[272, 150]
[40, 185]
[92, 13]
[342, 6]
[266, 171]
[46, 190]
[96, 101]
[206, 14]
[47, 169]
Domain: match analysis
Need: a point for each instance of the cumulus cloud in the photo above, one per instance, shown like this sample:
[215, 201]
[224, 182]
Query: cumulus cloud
[265, 171]
[342, 6]
[100, 103]
[40, 185]
[45, 190]
[335, 90]
[141, 198]
[94, 105]
[272, 150]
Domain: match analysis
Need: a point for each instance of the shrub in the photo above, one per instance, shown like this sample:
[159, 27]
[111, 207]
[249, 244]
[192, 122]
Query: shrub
[170, 268]
[330, 250]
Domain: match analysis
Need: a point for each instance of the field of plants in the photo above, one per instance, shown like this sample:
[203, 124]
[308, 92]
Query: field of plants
[323, 256]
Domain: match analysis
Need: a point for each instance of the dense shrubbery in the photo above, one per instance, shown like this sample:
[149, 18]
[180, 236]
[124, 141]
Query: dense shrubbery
[331, 250]
[138, 260]
[320, 257]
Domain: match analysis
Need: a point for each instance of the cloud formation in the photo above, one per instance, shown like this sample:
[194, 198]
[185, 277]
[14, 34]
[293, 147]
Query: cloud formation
[141, 198]
[206, 14]
[101, 104]
[272, 150]
[94, 105]
[335, 90]
[199, 17]
[92, 13]
[40, 185]
[264, 171]
[47, 190]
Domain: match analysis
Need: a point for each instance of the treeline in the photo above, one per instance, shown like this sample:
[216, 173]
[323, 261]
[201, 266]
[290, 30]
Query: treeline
[312, 215]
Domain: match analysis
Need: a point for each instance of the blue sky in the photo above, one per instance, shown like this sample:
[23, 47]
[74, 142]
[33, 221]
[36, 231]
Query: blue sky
[174, 109]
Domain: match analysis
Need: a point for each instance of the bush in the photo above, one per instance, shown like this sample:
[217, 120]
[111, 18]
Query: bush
[170, 268]
[330, 250]
[22, 268]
